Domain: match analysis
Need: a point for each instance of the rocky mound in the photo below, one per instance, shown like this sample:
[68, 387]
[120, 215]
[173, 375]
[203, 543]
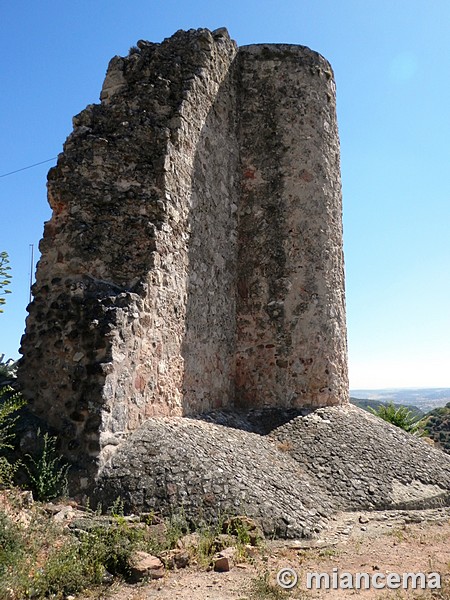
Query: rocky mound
[366, 463]
[209, 470]
[290, 479]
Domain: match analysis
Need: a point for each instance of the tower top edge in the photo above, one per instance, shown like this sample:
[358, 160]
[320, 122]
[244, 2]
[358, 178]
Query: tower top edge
[282, 51]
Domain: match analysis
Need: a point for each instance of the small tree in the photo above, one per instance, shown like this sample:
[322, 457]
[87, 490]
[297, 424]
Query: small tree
[401, 417]
[5, 277]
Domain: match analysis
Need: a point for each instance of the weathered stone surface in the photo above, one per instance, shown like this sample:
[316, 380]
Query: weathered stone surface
[193, 260]
[291, 332]
[133, 306]
[365, 462]
[207, 470]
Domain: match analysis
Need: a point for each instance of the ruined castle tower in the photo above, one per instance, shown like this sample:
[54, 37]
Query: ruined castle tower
[194, 256]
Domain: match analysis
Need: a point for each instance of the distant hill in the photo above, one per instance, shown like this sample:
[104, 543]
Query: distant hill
[437, 425]
[365, 403]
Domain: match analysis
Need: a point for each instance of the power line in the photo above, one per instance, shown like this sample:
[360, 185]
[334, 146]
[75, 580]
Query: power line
[29, 167]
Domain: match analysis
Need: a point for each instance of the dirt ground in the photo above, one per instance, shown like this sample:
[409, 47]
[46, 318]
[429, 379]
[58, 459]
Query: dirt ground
[384, 542]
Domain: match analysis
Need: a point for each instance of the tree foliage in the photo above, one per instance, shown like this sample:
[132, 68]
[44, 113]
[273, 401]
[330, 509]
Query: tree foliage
[8, 370]
[10, 403]
[5, 278]
[437, 426]
[400, 416]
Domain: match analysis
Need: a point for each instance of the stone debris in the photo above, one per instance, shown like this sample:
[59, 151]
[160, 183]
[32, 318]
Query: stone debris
[175, 559]
[363, 519]
[243, 526]
[225, 560]
[366, 463]
[145, 566]
[170, 462]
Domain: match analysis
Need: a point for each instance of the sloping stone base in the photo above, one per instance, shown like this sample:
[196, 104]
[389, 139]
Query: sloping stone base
[290, 479]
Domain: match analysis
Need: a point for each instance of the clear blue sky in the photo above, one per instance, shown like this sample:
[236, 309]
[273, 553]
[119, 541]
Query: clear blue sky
[392, 65]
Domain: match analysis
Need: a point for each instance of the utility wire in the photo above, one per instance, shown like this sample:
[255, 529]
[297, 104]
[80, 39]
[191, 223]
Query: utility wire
[29, 167]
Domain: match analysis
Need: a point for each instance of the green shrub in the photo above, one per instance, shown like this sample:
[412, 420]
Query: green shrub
[4, 371]
[262, 588]
[82, 563]
[207, 546]
[72, 568]
[47, 473]
[176, 526]
[117, 509]
[113, 546]
[44, 560]
[8, 472]
[11, 543]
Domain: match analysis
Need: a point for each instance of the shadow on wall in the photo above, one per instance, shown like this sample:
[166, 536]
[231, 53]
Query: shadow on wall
[208, 347]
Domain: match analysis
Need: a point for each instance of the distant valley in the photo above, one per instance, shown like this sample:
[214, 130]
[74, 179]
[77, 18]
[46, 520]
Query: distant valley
[425, 399]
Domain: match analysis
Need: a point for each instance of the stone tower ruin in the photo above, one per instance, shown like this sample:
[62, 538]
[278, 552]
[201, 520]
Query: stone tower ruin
[193, 260]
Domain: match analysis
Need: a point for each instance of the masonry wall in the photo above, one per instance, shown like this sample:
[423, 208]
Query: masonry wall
[105, 343]
[291, 328]
[194, 256]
